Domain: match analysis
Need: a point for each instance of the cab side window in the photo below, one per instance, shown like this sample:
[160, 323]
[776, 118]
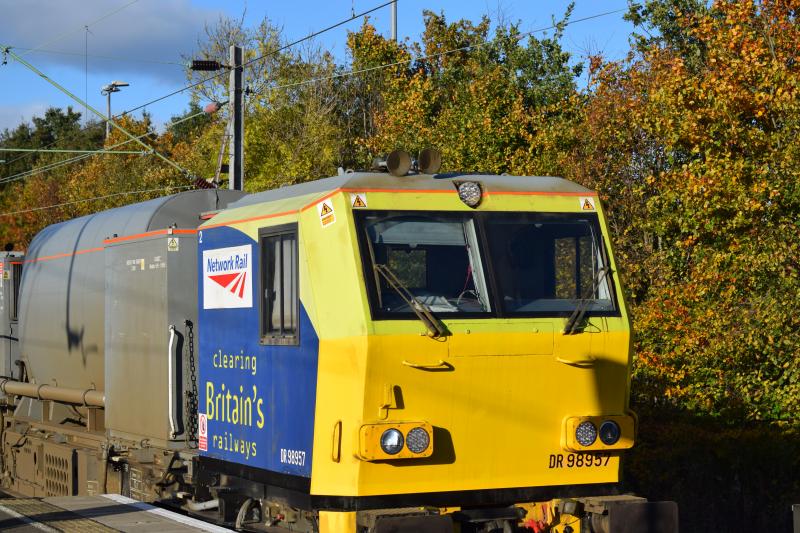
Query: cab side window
[280, 299]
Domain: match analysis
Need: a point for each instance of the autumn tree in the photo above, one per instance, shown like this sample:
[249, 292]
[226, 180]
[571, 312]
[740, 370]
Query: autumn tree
[376, 65]
[709, 148]
[476, 97]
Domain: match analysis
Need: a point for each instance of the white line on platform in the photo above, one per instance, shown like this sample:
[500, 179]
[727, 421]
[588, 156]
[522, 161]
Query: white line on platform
[27, 521]
[185, 520]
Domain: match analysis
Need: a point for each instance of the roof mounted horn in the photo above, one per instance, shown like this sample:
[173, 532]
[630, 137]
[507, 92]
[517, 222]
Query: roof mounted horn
[430, 161]
[398, 163]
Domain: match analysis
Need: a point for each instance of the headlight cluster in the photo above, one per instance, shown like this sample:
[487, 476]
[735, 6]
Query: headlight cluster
[417, 440]
[397, 440]
[586, 433]
[597, 433]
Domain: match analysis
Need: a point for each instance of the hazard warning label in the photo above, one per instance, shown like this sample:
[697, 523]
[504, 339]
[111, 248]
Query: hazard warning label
[587, 203]
[172, 244]
[326, 214]
[358, 200]
[202, 432]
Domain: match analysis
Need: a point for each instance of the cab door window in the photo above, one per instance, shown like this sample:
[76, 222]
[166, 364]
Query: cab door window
[280, 300]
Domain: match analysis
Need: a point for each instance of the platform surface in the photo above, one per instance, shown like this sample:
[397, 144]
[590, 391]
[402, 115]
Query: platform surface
[94, 514]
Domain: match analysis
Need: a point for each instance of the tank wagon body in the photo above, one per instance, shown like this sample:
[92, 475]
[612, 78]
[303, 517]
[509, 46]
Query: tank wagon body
[63, 309]
[360, 353]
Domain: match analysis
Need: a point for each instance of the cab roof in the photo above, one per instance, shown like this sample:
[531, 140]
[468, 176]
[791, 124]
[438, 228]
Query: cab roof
[381, 181]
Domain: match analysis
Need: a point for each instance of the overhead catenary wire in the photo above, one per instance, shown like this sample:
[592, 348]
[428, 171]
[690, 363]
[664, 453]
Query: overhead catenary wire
[260, 58]
[51, 41]
[431, 56]
[48, 167]
[58, 164]
[353, 72]
[95, 111]
[100, 56]
[64, 151]
[104, 197]
[360, 71]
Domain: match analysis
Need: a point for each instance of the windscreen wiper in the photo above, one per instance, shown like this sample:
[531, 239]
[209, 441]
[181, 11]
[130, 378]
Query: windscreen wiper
[434, 326]
[583, 305]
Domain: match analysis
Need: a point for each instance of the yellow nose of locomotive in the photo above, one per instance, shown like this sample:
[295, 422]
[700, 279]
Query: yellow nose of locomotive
[492, 322]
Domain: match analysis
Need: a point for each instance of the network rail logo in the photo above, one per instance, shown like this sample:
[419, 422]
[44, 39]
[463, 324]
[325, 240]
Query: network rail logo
[228, 277]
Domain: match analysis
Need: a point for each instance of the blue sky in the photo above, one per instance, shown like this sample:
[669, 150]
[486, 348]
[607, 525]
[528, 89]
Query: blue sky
[149, 40]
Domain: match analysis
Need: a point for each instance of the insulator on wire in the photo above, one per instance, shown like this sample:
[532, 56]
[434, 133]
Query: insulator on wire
[211, 108]
[205, 65]
[200, 183]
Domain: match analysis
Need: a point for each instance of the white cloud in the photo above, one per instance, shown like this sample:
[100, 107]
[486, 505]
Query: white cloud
[160, 30]
[12, 116]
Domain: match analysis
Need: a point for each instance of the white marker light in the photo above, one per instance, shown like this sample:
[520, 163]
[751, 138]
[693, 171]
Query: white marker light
[418, 440]
[470, 193]
[586, 433]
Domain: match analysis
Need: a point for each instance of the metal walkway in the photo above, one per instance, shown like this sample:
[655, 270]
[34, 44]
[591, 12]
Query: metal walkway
[94, 514]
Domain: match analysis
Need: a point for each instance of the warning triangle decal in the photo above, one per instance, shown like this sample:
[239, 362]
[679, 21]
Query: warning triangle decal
[325, 209]
[359, 202]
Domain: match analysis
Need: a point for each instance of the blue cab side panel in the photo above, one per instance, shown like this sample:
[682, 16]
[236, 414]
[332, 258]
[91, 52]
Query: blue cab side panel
[256, 404]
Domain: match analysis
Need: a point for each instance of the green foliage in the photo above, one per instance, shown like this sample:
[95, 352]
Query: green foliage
[185, 129]
[664, 25]
[479, 100]
[716, 329]
[362, 96]
[292, 134]
[57, 128]
[262, 41]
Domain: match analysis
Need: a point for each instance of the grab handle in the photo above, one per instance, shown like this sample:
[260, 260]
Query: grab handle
[441, 365]
[589, 361]
[173, 430]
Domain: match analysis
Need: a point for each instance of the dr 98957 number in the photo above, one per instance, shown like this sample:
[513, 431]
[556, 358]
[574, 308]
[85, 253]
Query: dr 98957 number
[578, 460]
[293, 457]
